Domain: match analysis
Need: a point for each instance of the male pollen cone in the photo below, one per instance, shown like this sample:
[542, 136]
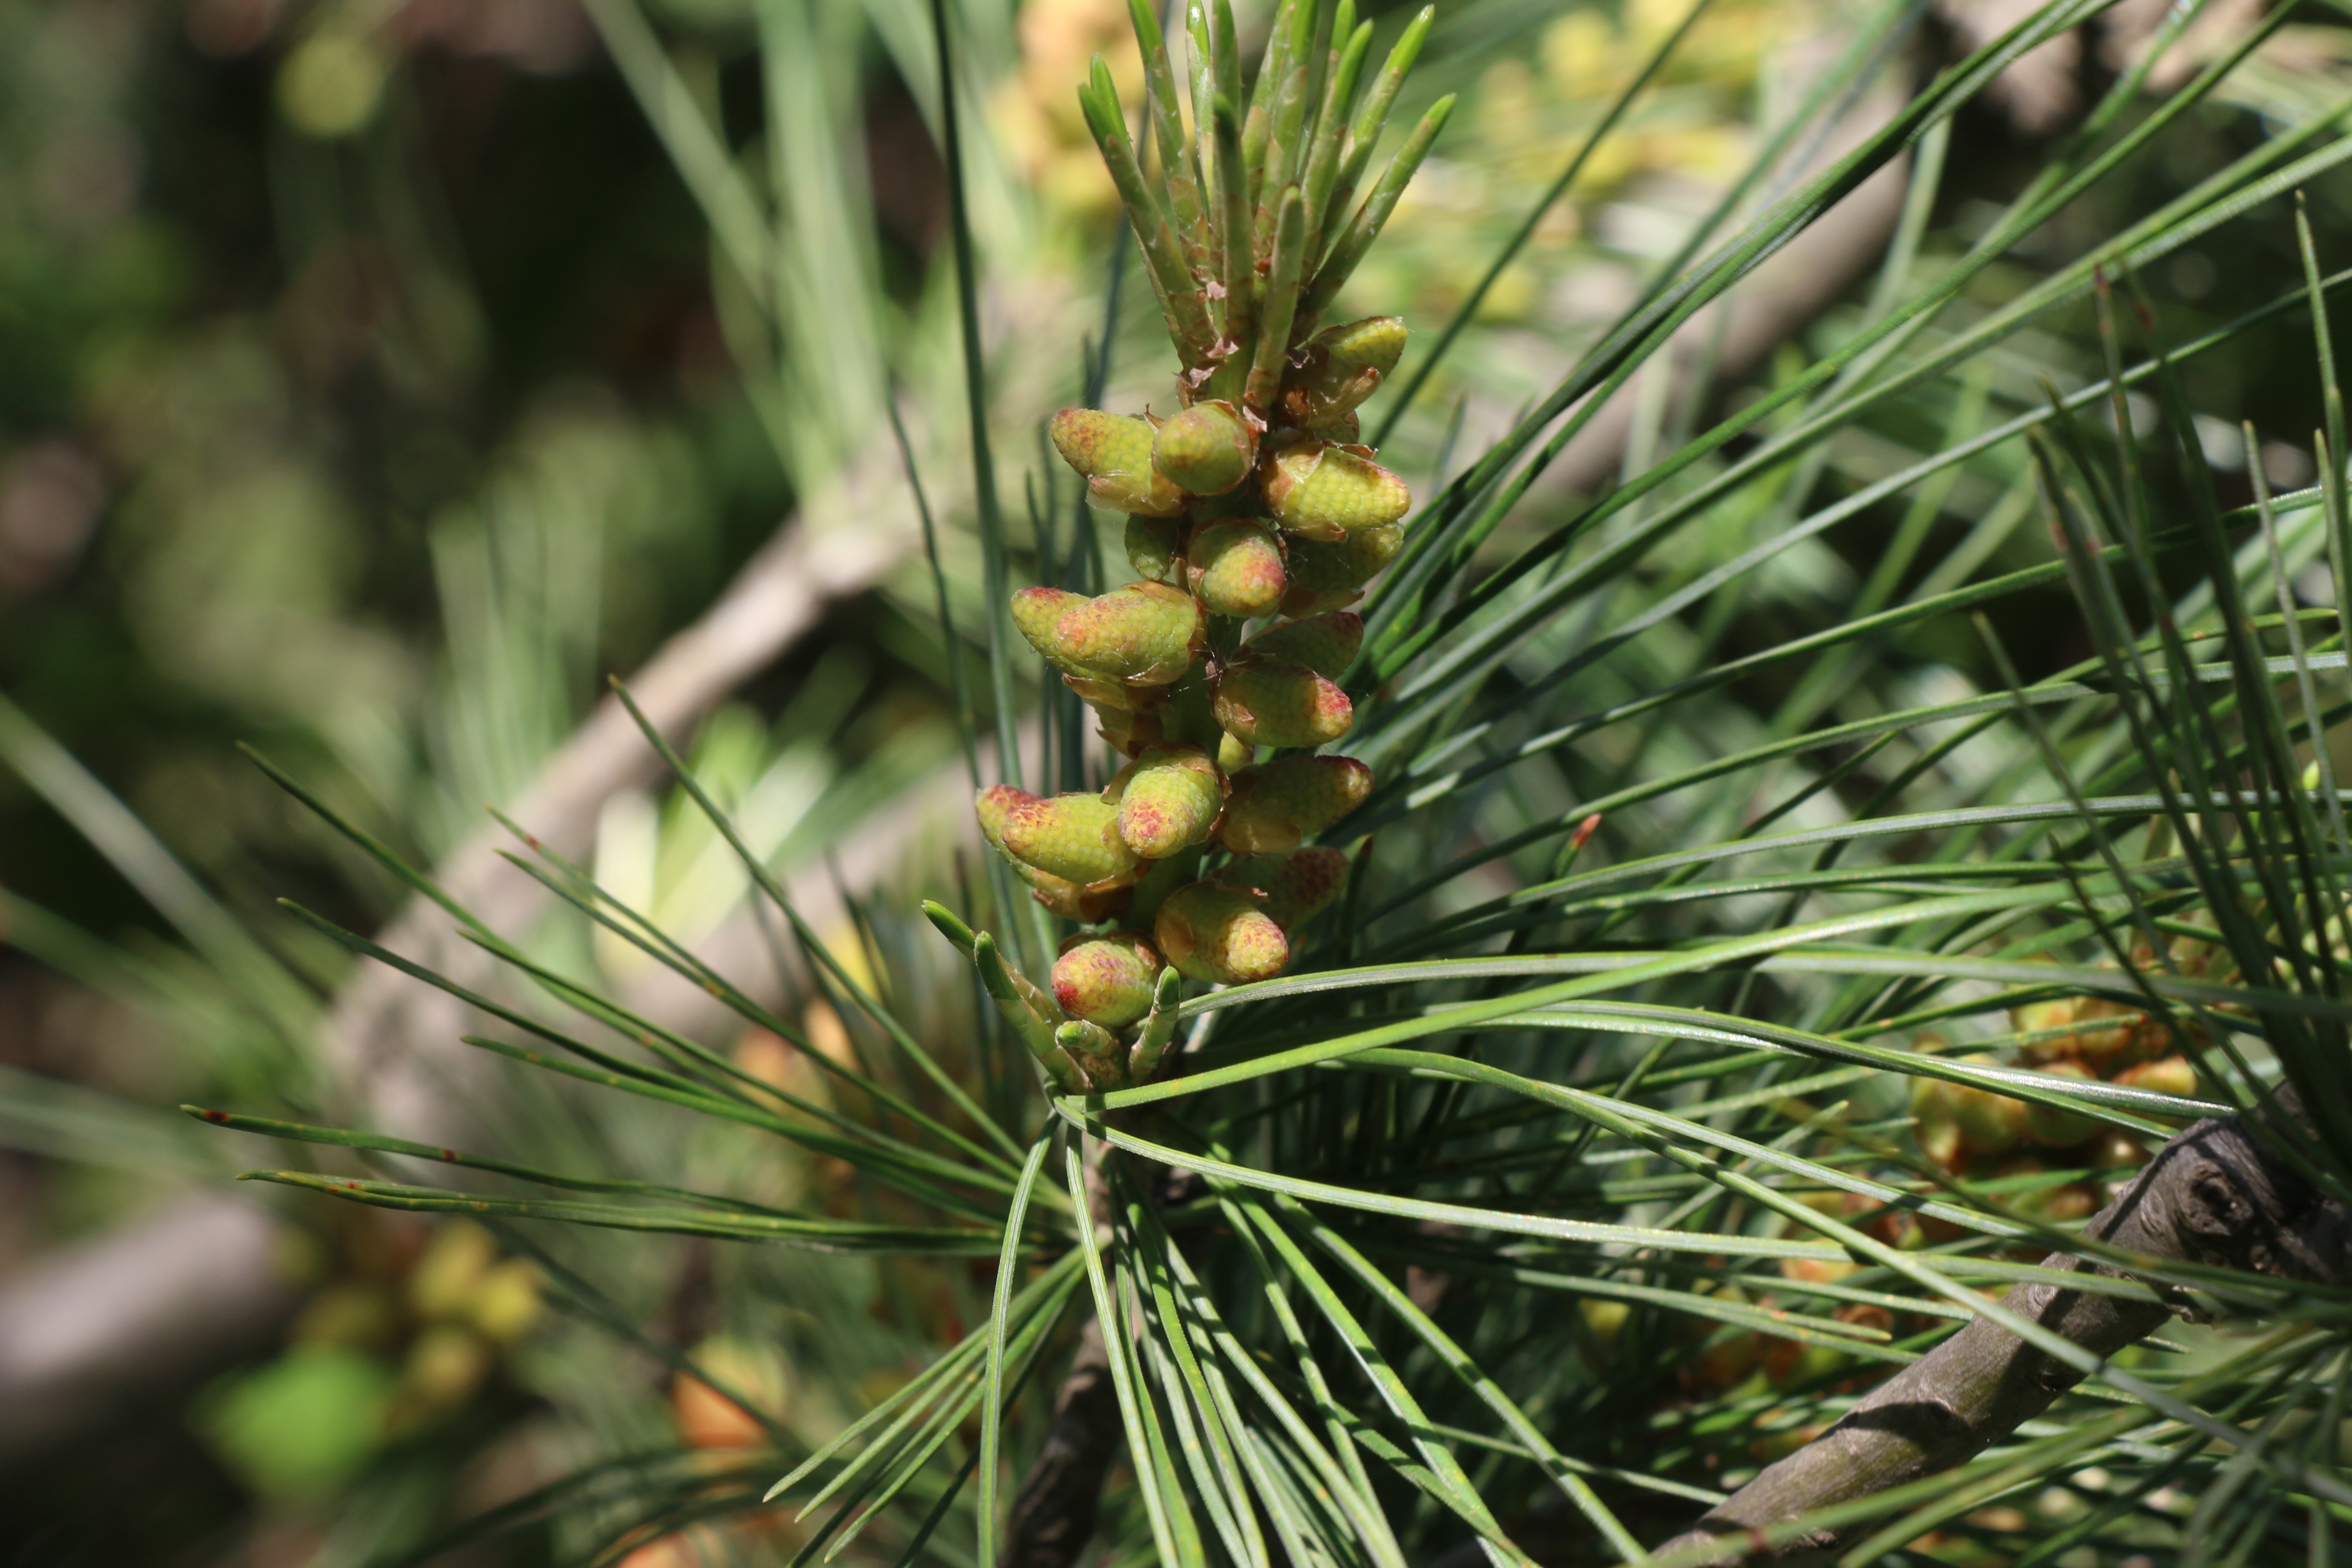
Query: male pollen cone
[1273, 703]
[1329, 492]
[1168, 800]
[1235, 569]
[1075, 836]
[1146, 634]
[1219, 935]
[1276, 807]
[1305, 885]
[1107, 980]
[1330, 575]
[1114, 452]
[1326, 644]
[1036, 612]
[993, 806]
[1207, 449]
[1341, 367]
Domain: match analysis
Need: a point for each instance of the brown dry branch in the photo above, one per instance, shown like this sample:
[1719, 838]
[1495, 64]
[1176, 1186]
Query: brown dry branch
[2218, 1194]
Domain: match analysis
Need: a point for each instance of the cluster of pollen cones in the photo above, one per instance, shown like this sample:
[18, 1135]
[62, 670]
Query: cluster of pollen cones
[1256, 517]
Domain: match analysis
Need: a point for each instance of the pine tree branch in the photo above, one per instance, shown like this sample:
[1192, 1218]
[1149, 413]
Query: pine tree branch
[2218, 1194]
[1052, 1515]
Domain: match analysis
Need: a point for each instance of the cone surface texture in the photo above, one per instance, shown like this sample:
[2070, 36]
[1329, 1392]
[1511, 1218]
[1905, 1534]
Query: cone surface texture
[1329, 492]
[1146, 634]
[1276, 807]
[1325, 574]
[1207, 449]
[1114, 452]
[1305, 885]
[1273, 703]
[1107, 980]
[1075, 836]
[1235, 569]
[1168, 800]
[1326, 644]
[1219, 935]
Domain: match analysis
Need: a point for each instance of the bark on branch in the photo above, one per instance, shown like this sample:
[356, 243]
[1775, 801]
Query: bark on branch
[1052, 1515]
[2218, 1194]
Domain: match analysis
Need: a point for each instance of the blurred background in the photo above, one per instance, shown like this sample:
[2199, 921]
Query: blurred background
[377, 376]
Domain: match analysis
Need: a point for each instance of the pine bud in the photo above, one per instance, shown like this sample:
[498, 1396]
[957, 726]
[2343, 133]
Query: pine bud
[1107, 980]
[1272, 704]
[1073, 837]
[1339, 367]
[1276, 807]
[1145, 634]
[1155, 548]
[1305, 885]
[1326, 644]
[1231, 754]
[1114, 452]
[1207, 449]
[1331, 576]
[1094, 1049]
[1114, 693]
[1234, 568]
[1327, 492]
[1168, 800]
[1220, 934]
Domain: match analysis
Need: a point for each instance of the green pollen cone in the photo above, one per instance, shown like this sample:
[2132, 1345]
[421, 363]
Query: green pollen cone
[2051, 1125]
[1036, 612]
[1991, 1123]
[1107, 980]
[1219, 935]
[1146, 634]
[1331, 577]
[1155, 548]
[1304, 887]
[1207, 449]
[1329, 492]
[1339, 367]
[1235, 569]
[1114, 452]
[1073, 837]
[1277, 807]
[1326, 644]
[1168, 800]
[994, 805]
[1273, 703]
